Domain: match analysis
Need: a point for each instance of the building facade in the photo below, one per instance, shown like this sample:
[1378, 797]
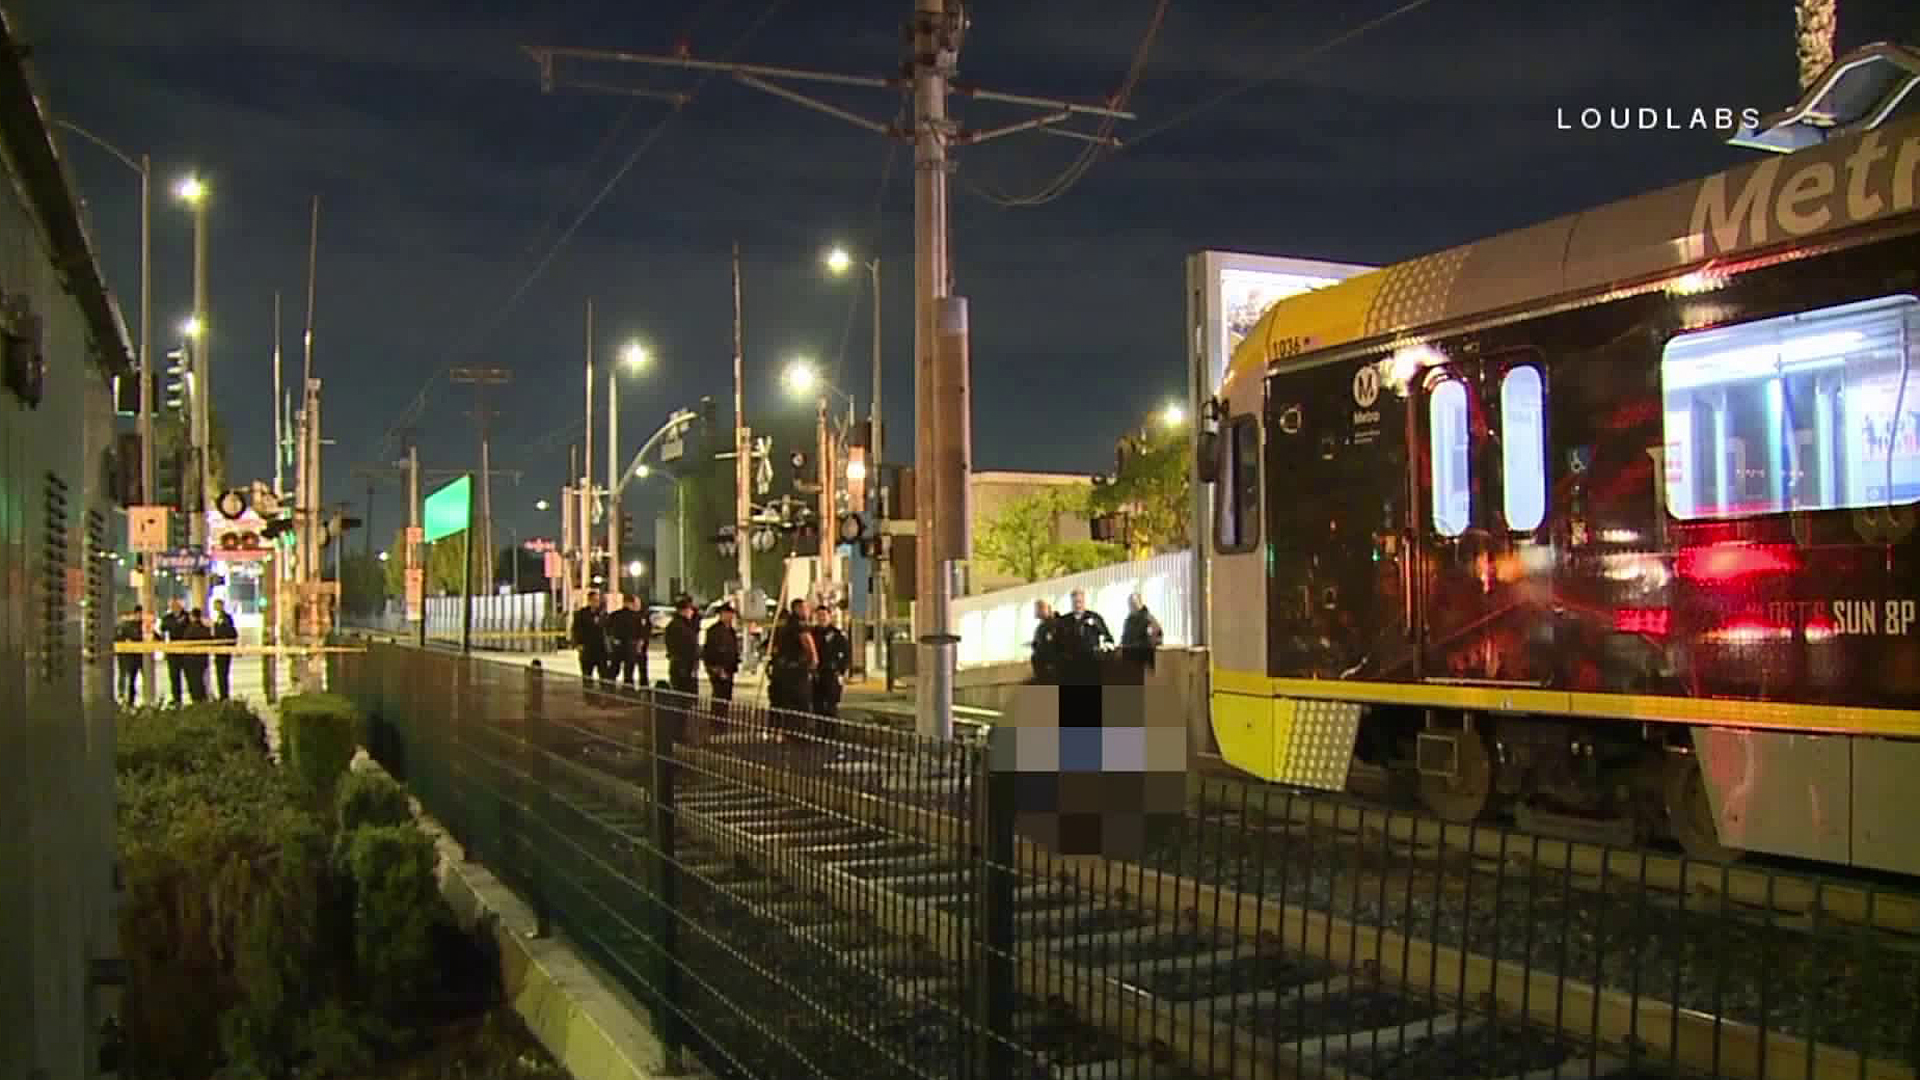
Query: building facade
[993, 492]
[61, 343]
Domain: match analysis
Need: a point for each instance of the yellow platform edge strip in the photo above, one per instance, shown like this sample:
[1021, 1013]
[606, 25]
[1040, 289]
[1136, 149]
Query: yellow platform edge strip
[1727, 712]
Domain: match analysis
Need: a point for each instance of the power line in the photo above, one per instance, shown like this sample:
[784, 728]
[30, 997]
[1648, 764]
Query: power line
[418, 404]
[876, 226]
[1261, 80]
[1082, 165]
[1072, 174]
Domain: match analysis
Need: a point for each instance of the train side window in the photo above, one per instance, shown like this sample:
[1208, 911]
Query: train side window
[1451, 451]
[1814, 411]
[1523, 449]
[1237, 506]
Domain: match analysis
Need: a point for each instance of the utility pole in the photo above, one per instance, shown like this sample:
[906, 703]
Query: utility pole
[586, 474]
[481, 378]
[742, 466]
[197, 351]
[413, 543]
[940, 323]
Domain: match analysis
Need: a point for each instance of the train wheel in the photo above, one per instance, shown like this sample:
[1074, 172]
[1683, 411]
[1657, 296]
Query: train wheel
[1690, 812]
[1463, 796]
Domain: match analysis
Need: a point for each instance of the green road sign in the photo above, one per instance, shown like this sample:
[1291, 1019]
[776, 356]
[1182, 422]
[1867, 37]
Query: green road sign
[447, 509]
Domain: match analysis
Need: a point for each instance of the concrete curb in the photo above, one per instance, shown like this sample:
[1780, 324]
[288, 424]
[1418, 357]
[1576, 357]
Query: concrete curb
[592, 1027]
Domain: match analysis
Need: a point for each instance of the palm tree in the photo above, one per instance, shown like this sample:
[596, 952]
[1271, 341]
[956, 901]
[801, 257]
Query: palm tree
[1813, 23]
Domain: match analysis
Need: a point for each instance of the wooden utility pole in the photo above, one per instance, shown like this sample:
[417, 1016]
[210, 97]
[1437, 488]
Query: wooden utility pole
[480, 378]
[941, 414]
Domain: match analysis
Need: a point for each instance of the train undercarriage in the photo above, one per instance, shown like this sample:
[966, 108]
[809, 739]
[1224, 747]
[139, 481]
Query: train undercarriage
[1621, 784]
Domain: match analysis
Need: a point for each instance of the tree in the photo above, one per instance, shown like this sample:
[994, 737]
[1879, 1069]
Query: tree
[1023, 539]
[445, 572]
[1153, 489]
[1813, 25]
[364, 585]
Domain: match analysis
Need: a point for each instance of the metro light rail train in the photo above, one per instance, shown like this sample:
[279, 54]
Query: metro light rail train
[1610, 519]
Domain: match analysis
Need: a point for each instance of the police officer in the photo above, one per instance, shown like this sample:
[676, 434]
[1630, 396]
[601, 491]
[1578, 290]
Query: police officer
[792, 660]
[1140, 636]
[683, 648]
[830, 644]
[133, 627]
[1047, 645]
[589, 635]
[1085, 633]
[225, 633]
[627, 636]
[171, 626]
[721, 654]
[194, 665]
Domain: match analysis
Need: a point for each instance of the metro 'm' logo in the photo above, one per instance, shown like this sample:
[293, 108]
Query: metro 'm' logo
[1809, 198]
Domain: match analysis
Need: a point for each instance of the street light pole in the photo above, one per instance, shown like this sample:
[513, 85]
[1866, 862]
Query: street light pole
[613, 481]
[742, 461]
[197, 350]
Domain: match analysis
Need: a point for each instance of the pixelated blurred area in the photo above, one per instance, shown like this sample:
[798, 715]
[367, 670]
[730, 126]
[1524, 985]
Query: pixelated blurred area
[1091, 770]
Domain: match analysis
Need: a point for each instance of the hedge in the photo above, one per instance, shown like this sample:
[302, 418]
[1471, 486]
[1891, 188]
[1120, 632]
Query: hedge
[268, 934]
[370, 798]
[319, 734]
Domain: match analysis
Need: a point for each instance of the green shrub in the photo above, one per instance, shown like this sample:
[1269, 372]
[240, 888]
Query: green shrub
[319, 734]
[197, 737]
[224, 871]
[370, 798]
[396, 910]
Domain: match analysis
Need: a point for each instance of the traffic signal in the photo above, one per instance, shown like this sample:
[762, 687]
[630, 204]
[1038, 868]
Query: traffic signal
[126, 469]
[176, 388]
[626, 532]
[126, 394]
[1106, 528]
[169, 473]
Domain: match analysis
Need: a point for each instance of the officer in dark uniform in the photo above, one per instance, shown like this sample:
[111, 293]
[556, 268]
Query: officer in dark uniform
[171, 626]
[683, 648]
[1048, 648]
[223, 632]
[722, 657]
[132, 628]
[627, 635]
[589, 635]
[194, 665]
[791, 662]
[830, 644]
[1085, 633]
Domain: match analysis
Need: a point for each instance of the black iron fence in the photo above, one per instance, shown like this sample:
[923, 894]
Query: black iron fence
[797, 897]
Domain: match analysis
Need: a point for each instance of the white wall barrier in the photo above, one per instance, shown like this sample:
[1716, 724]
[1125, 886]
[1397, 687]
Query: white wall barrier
[493, 616]
[997, 627]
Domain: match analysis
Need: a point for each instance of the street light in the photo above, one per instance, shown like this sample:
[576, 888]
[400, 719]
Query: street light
[839, 261]
[1173, 416]
[144, 425]
[642, 471]
[801, 378]
[636, 568]
[542, 504]
[635, 357]
[190, 328]
[194, 193]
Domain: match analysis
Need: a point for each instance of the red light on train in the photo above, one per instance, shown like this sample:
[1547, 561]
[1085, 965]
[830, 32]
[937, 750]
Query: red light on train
[1642, 621]
[1728, 562]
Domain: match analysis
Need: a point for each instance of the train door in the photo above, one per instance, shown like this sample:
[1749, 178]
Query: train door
[1485, 581]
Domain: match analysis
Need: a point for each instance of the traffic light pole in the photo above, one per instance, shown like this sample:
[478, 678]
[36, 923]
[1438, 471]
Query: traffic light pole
[613, 481]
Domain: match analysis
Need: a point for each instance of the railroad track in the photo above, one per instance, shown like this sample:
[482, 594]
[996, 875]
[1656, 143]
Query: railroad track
[1498, 991]
[778, 806]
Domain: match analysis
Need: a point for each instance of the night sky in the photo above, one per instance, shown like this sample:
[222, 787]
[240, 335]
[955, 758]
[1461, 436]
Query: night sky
[447, 179]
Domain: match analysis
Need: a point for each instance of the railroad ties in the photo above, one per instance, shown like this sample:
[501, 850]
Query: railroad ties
[843, 903]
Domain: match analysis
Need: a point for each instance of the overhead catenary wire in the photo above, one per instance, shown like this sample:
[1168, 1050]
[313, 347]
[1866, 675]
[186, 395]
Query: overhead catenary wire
[1082, 165]
[1101, 140]
[481, 331]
